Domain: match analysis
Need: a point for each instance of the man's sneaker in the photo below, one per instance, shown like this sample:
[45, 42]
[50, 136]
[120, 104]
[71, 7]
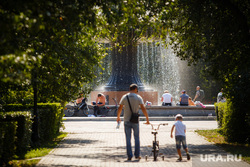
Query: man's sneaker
[129, 159]
[138, 157]
[179, 159]
[188, 156]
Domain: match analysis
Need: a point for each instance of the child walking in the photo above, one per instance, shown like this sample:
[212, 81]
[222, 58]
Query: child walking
[180, 136]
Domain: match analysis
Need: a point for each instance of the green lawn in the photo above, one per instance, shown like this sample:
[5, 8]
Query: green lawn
[33, 156]
[234, 148]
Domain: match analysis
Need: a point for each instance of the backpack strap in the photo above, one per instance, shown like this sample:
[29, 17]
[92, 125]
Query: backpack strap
[129, 105]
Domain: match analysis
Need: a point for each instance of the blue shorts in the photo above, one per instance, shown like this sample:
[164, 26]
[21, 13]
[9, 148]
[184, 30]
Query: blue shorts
[180, 140]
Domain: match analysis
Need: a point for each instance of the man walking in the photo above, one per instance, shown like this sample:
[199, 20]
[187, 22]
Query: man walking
[135, 101]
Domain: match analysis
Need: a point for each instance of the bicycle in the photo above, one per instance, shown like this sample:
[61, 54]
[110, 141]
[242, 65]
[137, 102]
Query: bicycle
[105, 110]
[155, 148]
[71, 110]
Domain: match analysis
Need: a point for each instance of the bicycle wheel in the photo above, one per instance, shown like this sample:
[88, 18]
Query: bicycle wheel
[115, 112]
[69, 112]
[155, 150]
[87, 112]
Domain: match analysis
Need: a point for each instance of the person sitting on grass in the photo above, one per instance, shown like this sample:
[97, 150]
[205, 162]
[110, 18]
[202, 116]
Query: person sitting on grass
[180, 136]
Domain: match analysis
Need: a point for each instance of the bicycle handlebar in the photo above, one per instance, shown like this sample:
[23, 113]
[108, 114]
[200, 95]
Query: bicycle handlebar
[158, 125]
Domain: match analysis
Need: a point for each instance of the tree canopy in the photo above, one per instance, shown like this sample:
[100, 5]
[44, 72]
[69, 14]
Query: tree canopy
[217, 33]
[54, 39]
[127, 22]
[53, 44]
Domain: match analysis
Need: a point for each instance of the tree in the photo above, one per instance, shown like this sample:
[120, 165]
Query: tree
[217, 32]
[50, 43]
[44, 41]
[48, 46]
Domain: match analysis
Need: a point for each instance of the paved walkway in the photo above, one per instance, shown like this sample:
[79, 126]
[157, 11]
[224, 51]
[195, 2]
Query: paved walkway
[98, 143]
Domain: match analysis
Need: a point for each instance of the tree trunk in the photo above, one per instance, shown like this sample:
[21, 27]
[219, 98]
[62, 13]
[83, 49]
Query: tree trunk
[35, 129]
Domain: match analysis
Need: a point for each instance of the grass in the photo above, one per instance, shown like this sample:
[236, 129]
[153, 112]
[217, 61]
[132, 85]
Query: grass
[33, 156]
[233, 148]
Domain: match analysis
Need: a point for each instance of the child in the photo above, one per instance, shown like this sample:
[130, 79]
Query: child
[180, 136]
[190, 102]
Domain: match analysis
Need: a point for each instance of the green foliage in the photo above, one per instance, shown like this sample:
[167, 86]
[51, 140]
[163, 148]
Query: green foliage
[126, 22]
[17, 96]
[7, 145]
[16, 107]
[216, 137]
[24, 163]
[49, 118]
[49, 43]
[31, 157]
[15, 129]
[50, 121]
[52, 44]
[23, 133]
[234, 124]
[15, 132]
[199, 34]
[220, 108]
[45, 148]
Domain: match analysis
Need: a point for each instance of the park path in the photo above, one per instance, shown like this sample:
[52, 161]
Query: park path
[98, 143]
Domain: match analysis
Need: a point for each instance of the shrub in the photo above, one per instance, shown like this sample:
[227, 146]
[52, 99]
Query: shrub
[50, 121]
[49, 118]
[15, 128]
[23, 133]
[219, 110]
[15, 132]
[234, 123]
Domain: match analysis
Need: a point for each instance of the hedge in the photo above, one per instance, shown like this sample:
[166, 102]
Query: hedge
[49, 118]
[50, 121]
[220, 110]
[15, 134]
[233, 124]
[16, 123]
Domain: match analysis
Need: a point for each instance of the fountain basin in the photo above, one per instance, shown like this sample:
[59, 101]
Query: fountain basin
[171, 111]
[183, 110]
[151, 96]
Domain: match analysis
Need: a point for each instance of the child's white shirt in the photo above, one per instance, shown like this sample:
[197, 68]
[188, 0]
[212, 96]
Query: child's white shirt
[180, 128]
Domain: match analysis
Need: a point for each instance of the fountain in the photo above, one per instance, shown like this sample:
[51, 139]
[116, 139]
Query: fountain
[164, 67]
[124, 73]
[154, 64]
